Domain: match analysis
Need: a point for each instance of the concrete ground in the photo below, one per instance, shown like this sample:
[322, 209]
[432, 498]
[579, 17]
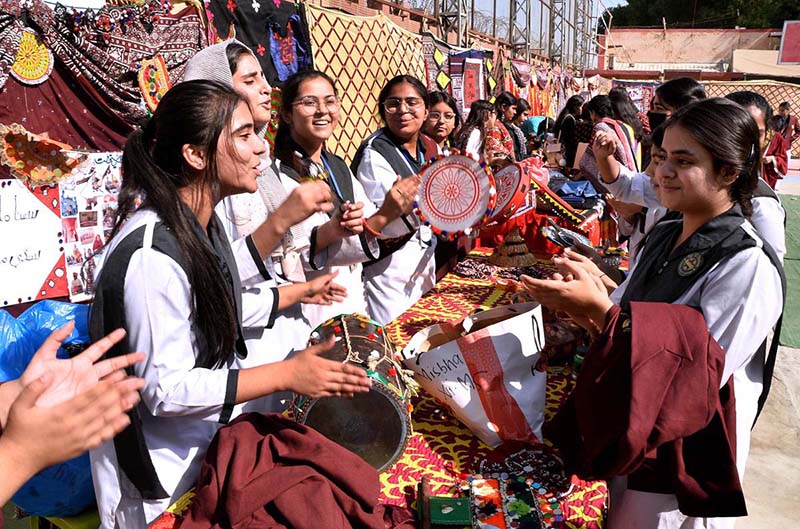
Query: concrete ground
[772, 479]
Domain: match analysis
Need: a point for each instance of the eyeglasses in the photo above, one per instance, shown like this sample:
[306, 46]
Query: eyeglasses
[393, 104]
[436, 116]
[310, 105]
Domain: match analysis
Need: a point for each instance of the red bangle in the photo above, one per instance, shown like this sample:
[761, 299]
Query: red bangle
[370, 230]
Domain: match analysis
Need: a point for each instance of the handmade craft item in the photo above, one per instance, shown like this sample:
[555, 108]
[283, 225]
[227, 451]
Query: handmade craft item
[34, 62]
[469, 365]
[35, 159]
[154, 82]
[564, 237]
[457, 194]
[375, 425]
[513, 252]
[513, 184]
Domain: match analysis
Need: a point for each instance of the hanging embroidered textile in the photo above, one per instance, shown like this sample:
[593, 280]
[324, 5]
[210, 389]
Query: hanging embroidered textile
[11, 29]
[362, 54]
[34, 62]
[437, 62]
[640, 92]
[457, 74]
[103, 49]
[275, 30]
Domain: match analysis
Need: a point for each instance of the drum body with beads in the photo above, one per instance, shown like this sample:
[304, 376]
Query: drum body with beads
[513, 184]
[457, 194]
[375, 425]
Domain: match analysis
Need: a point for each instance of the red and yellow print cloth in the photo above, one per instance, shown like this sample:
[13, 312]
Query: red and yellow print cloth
[443, 449]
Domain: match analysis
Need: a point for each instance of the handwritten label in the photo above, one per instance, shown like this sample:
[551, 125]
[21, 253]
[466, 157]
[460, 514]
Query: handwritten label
[31, 247]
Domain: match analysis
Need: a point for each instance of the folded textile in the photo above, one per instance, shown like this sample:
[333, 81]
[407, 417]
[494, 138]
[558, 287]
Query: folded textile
[266, 471]
[647, 404]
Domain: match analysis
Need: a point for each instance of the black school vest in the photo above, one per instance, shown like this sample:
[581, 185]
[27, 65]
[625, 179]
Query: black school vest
[662, 275]
[108, 313]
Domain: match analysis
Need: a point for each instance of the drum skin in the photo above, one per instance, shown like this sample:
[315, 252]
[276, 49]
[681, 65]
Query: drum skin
[375, 425]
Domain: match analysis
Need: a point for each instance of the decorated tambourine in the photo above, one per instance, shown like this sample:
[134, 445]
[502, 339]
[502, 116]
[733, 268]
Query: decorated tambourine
[512, 183]
[35, 159]
[457, 194]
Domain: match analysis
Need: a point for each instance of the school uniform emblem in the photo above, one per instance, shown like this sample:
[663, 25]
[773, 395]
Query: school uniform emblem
[690, 264]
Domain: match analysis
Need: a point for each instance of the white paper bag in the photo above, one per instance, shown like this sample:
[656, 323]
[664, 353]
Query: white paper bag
[485, 370]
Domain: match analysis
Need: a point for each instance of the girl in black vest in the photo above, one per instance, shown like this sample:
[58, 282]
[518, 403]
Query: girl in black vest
[711, 259]
[170, 279]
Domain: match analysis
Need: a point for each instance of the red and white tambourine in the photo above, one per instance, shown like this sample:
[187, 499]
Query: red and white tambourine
[457, 194]
[513, 184]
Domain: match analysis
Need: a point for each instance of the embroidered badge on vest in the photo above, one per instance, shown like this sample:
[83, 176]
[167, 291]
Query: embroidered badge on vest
[690, 264]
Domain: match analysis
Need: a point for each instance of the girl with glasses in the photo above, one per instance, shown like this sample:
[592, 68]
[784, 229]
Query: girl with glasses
[443, 120]
[405, 269]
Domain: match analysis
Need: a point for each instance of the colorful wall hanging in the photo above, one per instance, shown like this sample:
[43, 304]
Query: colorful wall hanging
[361, 54]
[437, 62]
[153, 80]
[472, 85]
[34, 62]
[457, 67]
[32, 261]
[35, 159]
[641, 92]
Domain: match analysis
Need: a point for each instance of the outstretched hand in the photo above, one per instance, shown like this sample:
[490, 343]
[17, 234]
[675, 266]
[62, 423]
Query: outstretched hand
[605, 145]
[73, 376]
[323, 291]
[314, 376]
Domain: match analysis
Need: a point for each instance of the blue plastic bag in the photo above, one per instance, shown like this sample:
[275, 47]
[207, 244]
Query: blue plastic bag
[64, 489]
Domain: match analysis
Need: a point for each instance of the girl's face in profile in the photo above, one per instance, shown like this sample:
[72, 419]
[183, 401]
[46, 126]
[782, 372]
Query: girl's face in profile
[239, 154]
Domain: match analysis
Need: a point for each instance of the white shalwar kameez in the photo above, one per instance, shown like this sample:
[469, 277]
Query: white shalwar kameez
[741, 300]
[397, 281]
[181, 404]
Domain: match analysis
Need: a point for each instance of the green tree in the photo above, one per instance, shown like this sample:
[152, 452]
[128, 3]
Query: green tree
[706, 13]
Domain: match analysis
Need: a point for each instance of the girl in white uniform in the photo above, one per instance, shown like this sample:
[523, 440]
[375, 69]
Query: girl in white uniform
[720, 263]
[171, 280]
[406, 269]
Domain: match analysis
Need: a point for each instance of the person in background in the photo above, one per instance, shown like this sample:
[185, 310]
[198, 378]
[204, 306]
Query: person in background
[406, 268]
[601, 112]
[443, 121]
[474, 136]
[60, 408]
[513, 126]
[708, 175]
[565, 127]
[499, 142]
[625, 112]
[671, 96]
[789, 126]
[776, 162]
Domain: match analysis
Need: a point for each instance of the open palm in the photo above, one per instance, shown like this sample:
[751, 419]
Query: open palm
[74, 375]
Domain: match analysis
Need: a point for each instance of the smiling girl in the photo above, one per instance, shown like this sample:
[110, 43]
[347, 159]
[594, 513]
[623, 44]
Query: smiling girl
[170, 278]
[711, 259]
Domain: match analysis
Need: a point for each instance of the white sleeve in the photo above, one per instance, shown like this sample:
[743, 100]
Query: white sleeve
[377, 177]
[741, 300]
[768, 218]
[260, 305]
[474, 143]
[159, 323]
[252, 269]
[634, 188]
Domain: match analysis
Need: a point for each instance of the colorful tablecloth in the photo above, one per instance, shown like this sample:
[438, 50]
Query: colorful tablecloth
[441, 447]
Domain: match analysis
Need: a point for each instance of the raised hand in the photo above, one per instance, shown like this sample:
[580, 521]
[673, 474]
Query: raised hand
[323, 291]
[605, 145]
[305, 200]
[348, 220]
[312, 375]
[74, 375]
[400, 198]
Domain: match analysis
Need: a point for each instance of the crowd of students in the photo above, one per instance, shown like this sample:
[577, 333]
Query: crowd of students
[224, 257]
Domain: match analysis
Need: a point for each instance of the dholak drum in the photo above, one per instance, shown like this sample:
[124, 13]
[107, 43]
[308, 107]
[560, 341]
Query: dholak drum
[457, 194]
[513, 183]
[375, 425]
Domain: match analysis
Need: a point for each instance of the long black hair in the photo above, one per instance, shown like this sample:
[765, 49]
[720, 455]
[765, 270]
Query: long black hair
[677, 93]
[729, 133]
[572, 107]
[625, 111]
[436, 97]
[284, 145]
[600, 105]
[419, 88]
[153, 168]
[504, 99]
[479, 111]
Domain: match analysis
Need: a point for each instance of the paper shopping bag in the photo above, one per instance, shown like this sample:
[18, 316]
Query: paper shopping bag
[486, 369]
